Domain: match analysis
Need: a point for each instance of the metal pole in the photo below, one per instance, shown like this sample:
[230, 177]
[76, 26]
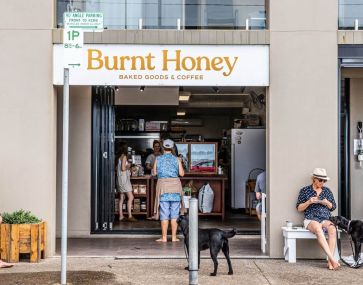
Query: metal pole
[263, 223]
[193, 241]
[65, 177]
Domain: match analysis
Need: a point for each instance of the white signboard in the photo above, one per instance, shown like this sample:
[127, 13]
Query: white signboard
[167, 65]
[88, 21]
[72, 44]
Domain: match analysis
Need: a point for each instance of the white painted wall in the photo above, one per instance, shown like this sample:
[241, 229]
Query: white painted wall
[356, 173]
[79, 187]
[28, 111]
[303, 109]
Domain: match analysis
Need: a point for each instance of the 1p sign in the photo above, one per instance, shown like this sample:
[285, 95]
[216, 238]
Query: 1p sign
[72, 47]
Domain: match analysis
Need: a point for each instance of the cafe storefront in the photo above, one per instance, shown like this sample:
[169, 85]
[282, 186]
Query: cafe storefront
[137, 97]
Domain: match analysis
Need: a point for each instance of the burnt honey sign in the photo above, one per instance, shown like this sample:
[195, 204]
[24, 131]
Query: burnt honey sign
[171, 60]
[170, 65]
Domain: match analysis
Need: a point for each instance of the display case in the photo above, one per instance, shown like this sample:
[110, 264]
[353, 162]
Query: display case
[198, 157]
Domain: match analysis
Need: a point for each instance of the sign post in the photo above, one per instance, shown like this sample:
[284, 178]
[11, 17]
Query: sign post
[75, 23]
[65, 177]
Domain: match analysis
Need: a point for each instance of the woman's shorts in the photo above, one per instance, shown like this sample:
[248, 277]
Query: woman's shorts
[307, 222]
[169, 210]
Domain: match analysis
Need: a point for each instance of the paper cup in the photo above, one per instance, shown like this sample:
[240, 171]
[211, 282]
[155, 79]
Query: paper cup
[289, 224]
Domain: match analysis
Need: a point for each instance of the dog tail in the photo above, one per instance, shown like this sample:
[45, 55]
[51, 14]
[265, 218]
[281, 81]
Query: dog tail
[229, 234]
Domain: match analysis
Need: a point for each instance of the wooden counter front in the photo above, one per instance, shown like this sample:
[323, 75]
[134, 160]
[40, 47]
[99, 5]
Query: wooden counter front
[217, 182]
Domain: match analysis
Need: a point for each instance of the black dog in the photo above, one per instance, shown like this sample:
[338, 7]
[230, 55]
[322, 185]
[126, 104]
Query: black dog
[214, 239]
[354, 228]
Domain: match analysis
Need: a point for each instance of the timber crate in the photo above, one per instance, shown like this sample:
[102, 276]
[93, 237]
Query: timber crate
[17, 239]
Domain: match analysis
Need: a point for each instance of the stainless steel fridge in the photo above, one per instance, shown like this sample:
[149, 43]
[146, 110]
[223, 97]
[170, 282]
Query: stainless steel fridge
[248, 151]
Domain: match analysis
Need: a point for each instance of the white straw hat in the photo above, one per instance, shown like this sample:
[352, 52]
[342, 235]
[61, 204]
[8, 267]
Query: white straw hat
[320, 173]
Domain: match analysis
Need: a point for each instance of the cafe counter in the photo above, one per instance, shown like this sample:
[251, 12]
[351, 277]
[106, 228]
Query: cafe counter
[217, 183]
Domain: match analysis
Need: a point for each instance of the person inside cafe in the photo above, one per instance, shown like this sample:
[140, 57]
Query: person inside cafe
[259, 189]
[150, 160]
[169, 193]
[124, 183]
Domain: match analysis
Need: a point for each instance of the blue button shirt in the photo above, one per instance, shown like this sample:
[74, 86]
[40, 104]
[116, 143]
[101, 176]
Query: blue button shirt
[261, 183]
[317, 212]
[167, 166]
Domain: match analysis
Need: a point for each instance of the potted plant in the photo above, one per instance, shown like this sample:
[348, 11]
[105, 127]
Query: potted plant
[22, 233]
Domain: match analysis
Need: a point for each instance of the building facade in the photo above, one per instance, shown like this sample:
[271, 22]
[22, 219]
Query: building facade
[314, 66]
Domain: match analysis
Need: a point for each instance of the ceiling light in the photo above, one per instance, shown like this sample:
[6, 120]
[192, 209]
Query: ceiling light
[142, 88]
[216, 89]
[180, 113]
[184, 96]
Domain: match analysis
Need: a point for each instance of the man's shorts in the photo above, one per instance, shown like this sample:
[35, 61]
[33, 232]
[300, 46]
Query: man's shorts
[169, 210]
[259, 207]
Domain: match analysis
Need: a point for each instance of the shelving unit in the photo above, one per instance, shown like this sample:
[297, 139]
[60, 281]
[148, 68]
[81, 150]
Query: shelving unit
[217, 182]
[143, 180]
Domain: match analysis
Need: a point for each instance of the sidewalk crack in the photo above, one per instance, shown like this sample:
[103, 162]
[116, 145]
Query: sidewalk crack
[259, 269]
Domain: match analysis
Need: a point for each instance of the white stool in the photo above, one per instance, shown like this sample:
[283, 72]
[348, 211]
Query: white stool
[290, 237]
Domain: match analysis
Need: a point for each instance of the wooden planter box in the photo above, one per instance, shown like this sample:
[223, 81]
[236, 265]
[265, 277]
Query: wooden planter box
[17, 239]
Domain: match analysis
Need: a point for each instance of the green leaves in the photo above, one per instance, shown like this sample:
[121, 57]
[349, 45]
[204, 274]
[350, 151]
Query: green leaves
[20, 217]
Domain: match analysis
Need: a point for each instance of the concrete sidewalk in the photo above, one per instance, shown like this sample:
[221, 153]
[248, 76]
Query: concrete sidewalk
[146, 247]
[106, 270]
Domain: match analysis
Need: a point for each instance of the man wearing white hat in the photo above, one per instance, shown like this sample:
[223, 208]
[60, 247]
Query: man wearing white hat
[317, 202]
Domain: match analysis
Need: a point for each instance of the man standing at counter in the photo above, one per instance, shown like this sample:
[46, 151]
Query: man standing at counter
[150, 160]
[169, 192]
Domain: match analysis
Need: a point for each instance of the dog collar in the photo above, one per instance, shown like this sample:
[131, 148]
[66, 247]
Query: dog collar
[348, 231]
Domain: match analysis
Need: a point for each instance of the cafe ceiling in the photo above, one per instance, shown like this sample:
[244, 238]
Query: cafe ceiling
[203, 100]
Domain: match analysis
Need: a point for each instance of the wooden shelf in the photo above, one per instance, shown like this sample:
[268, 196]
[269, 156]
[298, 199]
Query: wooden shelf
[145, 177]
[140, 195]
[136, 195]
[210, 214]
[136, 213]
[143, 197]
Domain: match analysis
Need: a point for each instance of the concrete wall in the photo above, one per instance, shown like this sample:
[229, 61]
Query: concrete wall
[302, 115]
[79, 187]
[356, 173]
[28, 111]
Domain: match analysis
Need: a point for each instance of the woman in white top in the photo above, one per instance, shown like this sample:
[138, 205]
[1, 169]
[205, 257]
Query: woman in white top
[124, 183]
